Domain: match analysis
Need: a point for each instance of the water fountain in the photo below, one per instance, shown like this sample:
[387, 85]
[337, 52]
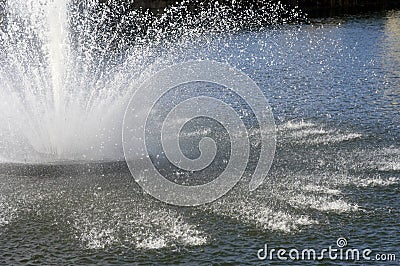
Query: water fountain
[68, 68]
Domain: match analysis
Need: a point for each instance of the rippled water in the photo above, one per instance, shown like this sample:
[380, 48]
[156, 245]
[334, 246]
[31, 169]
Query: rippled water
[335, 94]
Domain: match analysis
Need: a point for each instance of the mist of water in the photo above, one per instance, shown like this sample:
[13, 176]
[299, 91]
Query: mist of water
[68, 68]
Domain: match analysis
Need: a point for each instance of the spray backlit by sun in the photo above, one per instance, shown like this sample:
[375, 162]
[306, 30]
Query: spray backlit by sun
[68, 68]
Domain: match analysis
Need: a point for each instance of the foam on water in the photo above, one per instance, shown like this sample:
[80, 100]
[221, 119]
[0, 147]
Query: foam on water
[263, 215]
[105, 215]
[8, 212]
[18, 199]
[321, 193]
[277, 220]
[382, 160]
[176, 233]
[96, 238]
[279, 203]
[309, 133]
[338, 137]
[389, 166]
[322, 203]
[295, 125]
[147, 230]
[153, 243]
[332, 183]
[388, 160]
[374, 182]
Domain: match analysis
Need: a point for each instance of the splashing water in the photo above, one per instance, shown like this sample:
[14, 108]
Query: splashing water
[69, 67]
[67, 72]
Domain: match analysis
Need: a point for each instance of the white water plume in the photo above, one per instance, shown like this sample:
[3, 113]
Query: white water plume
[68, 68]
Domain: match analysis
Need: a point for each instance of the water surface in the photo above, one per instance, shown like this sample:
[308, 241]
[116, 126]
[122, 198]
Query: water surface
[335, 93]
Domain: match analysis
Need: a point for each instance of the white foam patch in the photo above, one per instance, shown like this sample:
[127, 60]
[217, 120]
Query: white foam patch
[384, 160]
[172, 230]
[333, 182]
[331, 139]
[7, 212]
[321, 189]
[389, 159]
[279, 221]
[94, 232]
[320, 193]
[186, 234]
[389, 166]
[295, 125]
[262, 216]
[321, 203]
[304, 132]
[393, 163]
[152, 243]
[98, 238]
[374, 182]
[309, 132]
[391, 151]
[150, 230]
